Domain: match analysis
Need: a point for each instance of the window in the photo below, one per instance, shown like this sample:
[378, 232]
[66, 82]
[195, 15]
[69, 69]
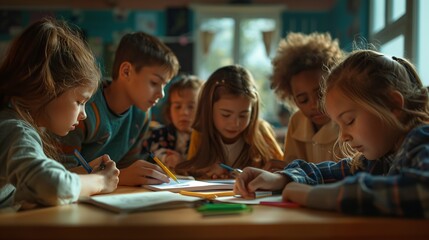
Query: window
[397, 27]
[394, 47]
[422, 41]
[245, 35]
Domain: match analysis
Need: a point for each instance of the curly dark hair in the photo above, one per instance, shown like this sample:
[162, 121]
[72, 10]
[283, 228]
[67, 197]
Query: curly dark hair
[299, 52]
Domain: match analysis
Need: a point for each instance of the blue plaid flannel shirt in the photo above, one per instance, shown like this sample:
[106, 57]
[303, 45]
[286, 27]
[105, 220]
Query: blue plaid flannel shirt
[395, 185]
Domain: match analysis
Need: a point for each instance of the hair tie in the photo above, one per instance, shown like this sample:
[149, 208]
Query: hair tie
[220, 82]
[409, 73]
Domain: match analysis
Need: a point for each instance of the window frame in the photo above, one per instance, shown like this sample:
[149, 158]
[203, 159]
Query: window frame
[239, 13]
[405, 25]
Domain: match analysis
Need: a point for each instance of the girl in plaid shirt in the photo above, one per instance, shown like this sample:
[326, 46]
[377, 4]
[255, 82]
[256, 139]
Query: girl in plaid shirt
[381, 108]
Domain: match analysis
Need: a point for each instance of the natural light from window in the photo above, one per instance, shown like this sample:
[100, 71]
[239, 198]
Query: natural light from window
[378, 15]
[423, 40]
[395, 47]
[246, 40]
[398, 9]
[255, 56]
[218, 45]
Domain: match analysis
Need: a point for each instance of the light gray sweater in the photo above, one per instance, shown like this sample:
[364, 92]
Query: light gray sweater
[27, 175]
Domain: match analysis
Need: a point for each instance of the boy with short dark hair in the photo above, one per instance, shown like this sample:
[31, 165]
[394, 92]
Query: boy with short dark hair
[119, 113]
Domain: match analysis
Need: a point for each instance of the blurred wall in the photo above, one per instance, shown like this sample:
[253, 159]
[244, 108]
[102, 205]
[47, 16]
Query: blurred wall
[104, 22]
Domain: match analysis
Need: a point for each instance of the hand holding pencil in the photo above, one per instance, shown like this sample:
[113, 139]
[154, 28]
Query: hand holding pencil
[110, 173]
[164, 168]
[106, 169]
[234, 171]
[99, 162]
[252, 179]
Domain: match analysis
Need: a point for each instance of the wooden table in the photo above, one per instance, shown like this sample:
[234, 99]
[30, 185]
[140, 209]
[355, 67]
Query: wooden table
[81, 221]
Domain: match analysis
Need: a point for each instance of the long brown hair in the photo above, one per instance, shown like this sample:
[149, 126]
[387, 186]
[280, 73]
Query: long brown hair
[47, 59]
[260, 143]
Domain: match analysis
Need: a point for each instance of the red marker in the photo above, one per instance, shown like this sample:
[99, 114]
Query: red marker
[280, 204]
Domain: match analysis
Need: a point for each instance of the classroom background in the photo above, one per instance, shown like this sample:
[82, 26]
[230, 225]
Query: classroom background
[208, 34]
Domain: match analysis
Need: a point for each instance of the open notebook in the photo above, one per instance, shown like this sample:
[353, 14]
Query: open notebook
[189, 185]
[144, 201]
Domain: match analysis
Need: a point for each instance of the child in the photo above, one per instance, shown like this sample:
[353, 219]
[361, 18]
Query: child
[45, 80]
[118, 114]
[301, 62]
[228, 127]
[382, 110]
[170, 143]
[283, 115]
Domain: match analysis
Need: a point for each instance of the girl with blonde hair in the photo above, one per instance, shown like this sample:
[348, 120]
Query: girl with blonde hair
[382, 109]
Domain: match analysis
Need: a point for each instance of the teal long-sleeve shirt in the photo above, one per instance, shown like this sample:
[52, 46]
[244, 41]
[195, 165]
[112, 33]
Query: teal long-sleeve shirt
[394, 185]
[104, 132]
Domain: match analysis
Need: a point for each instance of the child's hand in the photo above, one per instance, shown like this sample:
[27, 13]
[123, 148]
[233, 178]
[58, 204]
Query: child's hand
[213, 172]
[253, 179]
[142, 172]
[274, 165]
[296, 192]
[172, 159]
[99, 163]
[217, 172]
[107, 169]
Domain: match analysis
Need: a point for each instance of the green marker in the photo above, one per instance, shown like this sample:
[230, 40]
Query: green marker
[212, 209]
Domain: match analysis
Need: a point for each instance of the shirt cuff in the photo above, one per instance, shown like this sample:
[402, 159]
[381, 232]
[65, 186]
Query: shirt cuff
[324, 196]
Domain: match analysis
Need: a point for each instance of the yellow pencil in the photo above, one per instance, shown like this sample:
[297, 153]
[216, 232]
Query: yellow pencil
[166, 170]
[207, 195]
